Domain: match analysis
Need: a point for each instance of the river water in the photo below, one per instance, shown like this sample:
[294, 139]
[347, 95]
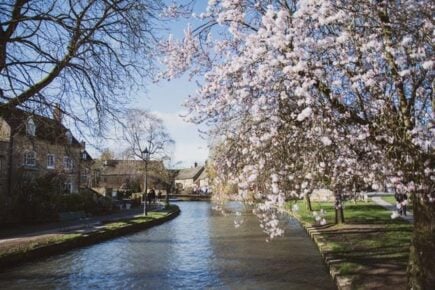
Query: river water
[200, 249]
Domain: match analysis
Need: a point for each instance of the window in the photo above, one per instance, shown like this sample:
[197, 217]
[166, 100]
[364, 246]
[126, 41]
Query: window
[30, 158]
[84, 156]
[50, 161]
[67, 187]
[30, 127]
[67, 163]
[84, 178]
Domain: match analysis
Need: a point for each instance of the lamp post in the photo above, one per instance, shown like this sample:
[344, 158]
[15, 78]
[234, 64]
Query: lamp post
[145, 157]
[167, 199]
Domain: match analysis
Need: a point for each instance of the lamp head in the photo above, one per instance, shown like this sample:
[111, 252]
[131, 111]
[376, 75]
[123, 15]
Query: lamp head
[145, 154]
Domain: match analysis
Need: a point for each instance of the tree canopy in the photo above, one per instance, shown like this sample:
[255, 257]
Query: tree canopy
[309, 94]
[84, 56]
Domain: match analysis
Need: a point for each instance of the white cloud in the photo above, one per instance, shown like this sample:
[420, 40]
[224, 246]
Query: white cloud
[189, 146]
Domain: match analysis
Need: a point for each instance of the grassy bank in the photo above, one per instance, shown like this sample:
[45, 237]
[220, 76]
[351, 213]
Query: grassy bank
[370, 251]
[14, 252]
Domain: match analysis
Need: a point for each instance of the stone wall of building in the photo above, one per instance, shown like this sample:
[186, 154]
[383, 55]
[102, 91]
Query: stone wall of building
[4, 156]
[4, 167]
[42, 149]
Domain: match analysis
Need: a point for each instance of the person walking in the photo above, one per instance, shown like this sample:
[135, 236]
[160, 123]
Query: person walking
[399, 199]
[404, 203]
[152, 196]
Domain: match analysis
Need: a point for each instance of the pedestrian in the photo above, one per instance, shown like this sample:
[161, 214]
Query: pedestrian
[404, 203]
[151, 196]
[399, 199]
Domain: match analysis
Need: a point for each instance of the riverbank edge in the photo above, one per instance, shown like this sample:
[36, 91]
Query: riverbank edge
[341, 282]
[26, 255]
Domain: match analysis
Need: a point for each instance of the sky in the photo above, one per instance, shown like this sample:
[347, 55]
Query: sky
[165, 100]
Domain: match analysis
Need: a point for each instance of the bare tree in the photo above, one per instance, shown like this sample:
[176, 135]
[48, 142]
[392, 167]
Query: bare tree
[84, 55]
[142, 130]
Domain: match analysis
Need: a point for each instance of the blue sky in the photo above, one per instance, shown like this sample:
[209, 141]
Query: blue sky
[165, 100]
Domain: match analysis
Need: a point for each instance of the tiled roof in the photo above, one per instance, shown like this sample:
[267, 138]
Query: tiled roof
[46, 128]
[189, 173]
[129, 167]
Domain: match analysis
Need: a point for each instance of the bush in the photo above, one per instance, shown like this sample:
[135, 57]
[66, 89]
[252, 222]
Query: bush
[36, 198]
[40, 199]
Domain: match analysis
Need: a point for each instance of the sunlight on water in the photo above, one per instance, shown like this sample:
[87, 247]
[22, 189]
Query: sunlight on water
[200, 249]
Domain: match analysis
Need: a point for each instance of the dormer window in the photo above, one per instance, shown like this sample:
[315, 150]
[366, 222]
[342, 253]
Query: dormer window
[69, 137]
[30, 127]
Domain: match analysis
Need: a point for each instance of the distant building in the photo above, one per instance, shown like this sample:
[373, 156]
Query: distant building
[129, 175]
[187, 180]
[86, 168]
[32, 145]
[204, 181]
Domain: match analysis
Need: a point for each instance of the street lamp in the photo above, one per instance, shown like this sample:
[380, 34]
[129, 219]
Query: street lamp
[146, 158]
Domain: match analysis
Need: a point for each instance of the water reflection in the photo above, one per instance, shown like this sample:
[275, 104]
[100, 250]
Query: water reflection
[200, 249]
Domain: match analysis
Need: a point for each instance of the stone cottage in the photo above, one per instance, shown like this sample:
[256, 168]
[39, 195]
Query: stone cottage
[187, 180]
[129, 175]
[32, 145]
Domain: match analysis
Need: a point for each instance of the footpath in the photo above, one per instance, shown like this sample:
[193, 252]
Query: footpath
[31, 242]
[82, 224]
[369, 251]
[392, 208]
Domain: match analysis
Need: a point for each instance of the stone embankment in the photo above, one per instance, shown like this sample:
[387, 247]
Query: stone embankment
[15, 251]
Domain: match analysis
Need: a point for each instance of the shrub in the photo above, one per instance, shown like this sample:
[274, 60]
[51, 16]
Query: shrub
[36, 198]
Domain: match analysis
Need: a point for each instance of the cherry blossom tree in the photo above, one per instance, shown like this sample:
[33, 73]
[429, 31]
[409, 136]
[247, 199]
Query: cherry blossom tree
[319, 93]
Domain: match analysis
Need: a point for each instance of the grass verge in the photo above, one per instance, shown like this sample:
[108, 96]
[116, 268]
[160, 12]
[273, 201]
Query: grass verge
[392, 200]
[15, 252]
[369, 251]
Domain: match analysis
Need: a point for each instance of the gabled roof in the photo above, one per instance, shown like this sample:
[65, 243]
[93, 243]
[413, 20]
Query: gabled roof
[189, 173]
[203, 175]
[129, 167]
[46, 128]
[87, 156]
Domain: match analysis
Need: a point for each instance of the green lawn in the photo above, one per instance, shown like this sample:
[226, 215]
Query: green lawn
[392, 200]
[370, 242]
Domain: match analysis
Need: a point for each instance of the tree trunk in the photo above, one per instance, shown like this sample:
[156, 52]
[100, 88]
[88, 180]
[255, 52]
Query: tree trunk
[339, 213]
[308, 202]
[421, 267]
[339, 216]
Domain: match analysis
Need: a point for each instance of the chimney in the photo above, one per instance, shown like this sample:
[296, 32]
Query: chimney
[195, 164]
[83, 145]
[57, 113]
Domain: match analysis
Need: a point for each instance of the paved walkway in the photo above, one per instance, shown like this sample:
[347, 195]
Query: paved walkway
[378, 200]
[86, 224]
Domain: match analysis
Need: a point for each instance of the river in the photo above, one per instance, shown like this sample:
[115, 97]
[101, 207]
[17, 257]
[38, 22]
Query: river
[200, 249]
